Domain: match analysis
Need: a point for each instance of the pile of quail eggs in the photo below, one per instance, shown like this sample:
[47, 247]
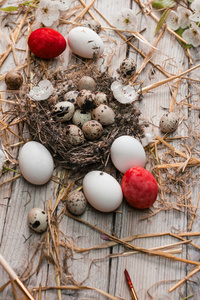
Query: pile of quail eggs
[85, 112]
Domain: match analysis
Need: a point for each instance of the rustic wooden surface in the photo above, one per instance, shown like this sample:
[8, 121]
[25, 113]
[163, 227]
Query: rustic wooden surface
[17, 241]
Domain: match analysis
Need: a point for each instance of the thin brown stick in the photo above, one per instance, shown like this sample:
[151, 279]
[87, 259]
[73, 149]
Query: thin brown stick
[76, 287]
[147, 58]
[15, 36]
[157, 84]
[130, 246]
[175, 92]
[194, 271]
[193, 216]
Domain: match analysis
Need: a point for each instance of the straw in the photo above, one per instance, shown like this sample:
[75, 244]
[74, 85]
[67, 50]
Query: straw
[15, 278]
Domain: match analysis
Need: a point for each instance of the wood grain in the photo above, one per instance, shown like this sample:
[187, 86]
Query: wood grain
[96, 268]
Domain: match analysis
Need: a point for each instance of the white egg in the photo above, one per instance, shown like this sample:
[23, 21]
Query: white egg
[102, 191]
[127, 152]
[36, 163]
[85, 42]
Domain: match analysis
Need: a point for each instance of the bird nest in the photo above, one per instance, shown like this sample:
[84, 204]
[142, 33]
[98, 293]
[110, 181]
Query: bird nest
[38, 116]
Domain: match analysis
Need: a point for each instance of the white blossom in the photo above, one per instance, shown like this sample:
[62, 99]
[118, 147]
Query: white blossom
[47, 12]
[123, 93]
[172, 20]
[184, 16]
[195, 6]
[41, 92]
[192, 35]
[126, 20]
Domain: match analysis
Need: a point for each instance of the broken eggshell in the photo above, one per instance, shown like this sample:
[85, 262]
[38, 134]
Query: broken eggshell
[123, 93]
[85, 42]
[41, 92]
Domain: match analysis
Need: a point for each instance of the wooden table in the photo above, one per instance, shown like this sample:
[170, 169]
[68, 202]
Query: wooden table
[103, 269]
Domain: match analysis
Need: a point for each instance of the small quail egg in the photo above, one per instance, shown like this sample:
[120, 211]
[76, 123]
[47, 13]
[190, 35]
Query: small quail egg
[103, 114]
[75, 135]
[80, 117]
[100, 98]
[37, 219]
[85, 100]
[76, 202]
[63, 111]
[87, 83]
[169, 122]
[92, 130]
[71, 96]
[127, 67]
[92, 24]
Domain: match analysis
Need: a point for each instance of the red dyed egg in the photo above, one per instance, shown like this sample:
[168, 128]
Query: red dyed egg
[139, 187]
[46, 43]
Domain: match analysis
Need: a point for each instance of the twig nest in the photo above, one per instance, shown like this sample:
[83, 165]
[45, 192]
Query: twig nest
[71, 96]
[92, 24]
[86, 100]
[37, 219]
[74, 135]
[127, 68]
[169, 122]
[100, 98]
[80, 117]
[76, 202]
[104, 115]
[63, 111]
[14, 80]
[92, 130]
[87, 83]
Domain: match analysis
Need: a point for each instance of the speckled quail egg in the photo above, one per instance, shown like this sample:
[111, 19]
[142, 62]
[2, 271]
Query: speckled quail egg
[92, 130]
[104, 115]
[100, 98]
[37, 219]
[75, 135]
[92, 24]
[87, 83]
[63, 111]
[76, 202]
[127, 68]
[80, 117]
[85, 100]
[71, 96]
[169, 122]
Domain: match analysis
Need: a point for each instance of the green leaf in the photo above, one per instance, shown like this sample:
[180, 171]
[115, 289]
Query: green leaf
[9, 8]
[180, 31]
[158, 4]
[162, 20]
